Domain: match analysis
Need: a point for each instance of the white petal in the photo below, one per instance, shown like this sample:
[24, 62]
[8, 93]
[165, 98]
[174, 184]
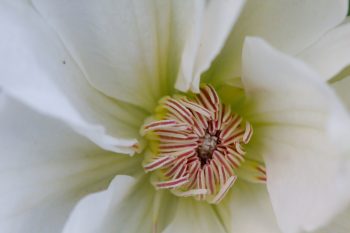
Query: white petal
[130, 50]
[212, 24]
[192, 216]
[331, 53]
[247, 208]
[93, 213]
[45, 168]
[36, 69]
[300, 127]
[289, 25]
[127, 206]
[340, 224]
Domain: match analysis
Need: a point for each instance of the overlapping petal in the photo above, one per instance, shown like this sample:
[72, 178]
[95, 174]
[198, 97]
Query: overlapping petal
[129, 50]
[127, 206]
[289, 25]
[212, 23]
[247, 208]
[299, 124]
[46, 168]
[330, 55]
[40, 72]
[192, 216]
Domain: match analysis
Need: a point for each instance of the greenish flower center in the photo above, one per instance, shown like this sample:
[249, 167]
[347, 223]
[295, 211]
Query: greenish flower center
[196, 145]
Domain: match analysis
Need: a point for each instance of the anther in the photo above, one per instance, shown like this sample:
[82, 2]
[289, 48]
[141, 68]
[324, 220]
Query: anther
[206, 148]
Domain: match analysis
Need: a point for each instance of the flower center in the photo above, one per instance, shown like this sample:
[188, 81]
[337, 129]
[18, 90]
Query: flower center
[195, 145]
[206, 149]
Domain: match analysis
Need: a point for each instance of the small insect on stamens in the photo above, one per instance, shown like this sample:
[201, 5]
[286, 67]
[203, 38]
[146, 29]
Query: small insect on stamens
[196, 145]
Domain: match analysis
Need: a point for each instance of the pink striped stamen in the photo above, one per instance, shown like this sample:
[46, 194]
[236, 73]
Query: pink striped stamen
[197, 146]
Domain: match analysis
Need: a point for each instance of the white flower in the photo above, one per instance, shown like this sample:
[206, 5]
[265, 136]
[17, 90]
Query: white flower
[79, 78]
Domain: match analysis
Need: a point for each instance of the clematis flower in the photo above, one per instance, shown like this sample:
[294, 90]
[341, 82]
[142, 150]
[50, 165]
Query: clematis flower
[173, 116]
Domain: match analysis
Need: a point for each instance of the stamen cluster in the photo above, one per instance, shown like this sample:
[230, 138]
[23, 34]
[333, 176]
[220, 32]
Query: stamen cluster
[195, 145]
